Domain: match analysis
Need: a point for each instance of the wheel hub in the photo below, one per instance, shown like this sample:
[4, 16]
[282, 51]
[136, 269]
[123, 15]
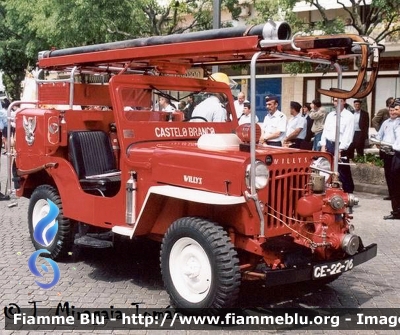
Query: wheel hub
[192, 269]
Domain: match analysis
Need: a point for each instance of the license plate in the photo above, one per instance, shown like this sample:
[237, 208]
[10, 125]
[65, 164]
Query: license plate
[331, 269]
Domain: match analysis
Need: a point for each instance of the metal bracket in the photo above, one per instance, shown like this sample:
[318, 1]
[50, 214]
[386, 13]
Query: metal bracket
[357, 91]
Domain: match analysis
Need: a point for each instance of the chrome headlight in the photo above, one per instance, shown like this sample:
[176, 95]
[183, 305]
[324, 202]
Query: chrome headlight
[323, 166]
[350, 244]
[261, 177]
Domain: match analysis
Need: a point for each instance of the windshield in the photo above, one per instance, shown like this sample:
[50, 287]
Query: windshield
[192, 105]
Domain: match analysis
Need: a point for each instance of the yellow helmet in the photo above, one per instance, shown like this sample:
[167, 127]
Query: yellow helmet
[223, 78]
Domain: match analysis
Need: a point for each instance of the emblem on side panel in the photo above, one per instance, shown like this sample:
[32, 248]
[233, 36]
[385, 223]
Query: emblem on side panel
[29, 124]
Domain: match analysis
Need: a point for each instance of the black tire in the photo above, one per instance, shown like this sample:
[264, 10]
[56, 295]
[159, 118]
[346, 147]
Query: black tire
[204, 272]
[62, 242]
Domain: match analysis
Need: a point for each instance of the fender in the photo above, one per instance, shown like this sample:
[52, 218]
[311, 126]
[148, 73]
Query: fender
[37, 169]
[176, 192]
[203, 197]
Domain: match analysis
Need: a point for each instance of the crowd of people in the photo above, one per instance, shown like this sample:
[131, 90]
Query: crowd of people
[308, 127]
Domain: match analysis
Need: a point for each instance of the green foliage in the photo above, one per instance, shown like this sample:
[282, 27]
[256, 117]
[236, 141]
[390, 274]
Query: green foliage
[27, 27]
[298, 67]
[369, 158]
[18, 44]
[281, 10]
[233, 7]
[378, 19]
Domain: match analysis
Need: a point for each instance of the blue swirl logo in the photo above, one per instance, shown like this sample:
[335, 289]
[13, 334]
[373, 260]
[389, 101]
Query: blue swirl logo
[44, 233]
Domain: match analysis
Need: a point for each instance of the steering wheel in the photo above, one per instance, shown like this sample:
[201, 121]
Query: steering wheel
[197, 117]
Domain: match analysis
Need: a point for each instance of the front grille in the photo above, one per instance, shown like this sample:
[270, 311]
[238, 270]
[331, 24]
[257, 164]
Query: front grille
[285, 187]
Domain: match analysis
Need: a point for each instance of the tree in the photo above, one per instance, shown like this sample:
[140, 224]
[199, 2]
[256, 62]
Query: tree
[28, 27]
[379, 19]
[15, 48]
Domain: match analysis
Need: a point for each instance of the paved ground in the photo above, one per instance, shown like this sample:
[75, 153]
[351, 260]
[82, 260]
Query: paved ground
[130, 272]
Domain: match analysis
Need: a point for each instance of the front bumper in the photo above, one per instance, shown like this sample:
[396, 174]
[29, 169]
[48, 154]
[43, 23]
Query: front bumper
[305, 273]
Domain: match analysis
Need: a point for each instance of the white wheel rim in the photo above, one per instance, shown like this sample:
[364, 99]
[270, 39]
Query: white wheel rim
[190, 270]
[40, 210]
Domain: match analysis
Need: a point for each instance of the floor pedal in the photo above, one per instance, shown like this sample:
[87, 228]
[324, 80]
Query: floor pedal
[88, 241]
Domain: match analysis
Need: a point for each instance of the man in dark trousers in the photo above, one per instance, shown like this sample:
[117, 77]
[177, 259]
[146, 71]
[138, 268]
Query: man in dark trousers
[361, 127]
[346, 135]
[307, 143]
[188, 110]
[296, 129]
[394, 192]
[386, 135]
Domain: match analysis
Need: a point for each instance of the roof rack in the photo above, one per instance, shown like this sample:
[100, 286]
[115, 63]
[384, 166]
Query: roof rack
[175, 54]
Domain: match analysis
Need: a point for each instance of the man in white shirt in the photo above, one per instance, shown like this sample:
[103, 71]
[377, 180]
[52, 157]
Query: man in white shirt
[296, 129]
[210, 109]
[274, 125]
[246, 115]
[394, 191]
[165, 105]
[346, 135]
[386, 134]
[239, 104]
[213, 108]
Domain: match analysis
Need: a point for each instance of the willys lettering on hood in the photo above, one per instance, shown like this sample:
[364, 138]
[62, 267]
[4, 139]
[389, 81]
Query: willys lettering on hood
[291, 160]
[192, 179]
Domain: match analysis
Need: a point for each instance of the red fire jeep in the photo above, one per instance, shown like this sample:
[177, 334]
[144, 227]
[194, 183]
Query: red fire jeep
[224, 207]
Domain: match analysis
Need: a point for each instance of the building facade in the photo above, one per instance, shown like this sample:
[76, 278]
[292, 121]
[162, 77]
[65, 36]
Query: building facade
[273, 79]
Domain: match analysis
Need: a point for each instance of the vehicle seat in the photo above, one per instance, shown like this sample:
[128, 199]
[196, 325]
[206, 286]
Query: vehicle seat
[178, 116]
[92, 157]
